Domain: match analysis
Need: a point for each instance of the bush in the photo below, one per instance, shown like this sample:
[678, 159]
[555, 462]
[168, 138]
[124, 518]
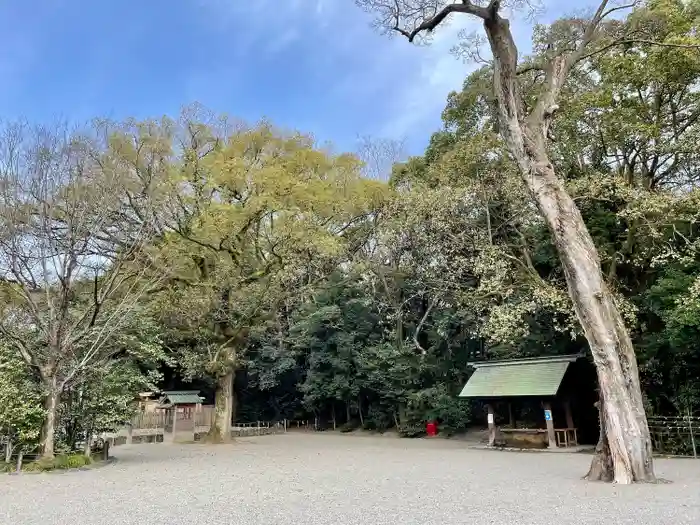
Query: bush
[61, 462]
[411, 431]
[350, 426]
[437, 404]
[379, 418]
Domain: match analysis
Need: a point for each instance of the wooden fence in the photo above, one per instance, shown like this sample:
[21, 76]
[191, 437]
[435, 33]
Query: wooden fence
[162, 426]
[675, 435]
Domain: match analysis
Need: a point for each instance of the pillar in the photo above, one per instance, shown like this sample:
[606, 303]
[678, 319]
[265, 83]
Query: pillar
[492, 425]
[569, 416]
[549, 420]
[173, 426]
[511, 418]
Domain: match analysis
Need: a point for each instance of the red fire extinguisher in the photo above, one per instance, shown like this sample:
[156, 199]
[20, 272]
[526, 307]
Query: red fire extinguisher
[431, 428]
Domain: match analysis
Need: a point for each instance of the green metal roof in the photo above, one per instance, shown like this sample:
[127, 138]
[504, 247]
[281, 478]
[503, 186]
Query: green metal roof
[181, 397]
[539, 377]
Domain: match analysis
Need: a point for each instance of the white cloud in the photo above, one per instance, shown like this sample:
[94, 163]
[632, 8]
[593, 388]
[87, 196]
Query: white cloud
[405, 86]
[422, 100]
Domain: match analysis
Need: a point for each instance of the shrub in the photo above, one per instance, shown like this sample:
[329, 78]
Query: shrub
[66, 461]
[411, 431]
[350, 426]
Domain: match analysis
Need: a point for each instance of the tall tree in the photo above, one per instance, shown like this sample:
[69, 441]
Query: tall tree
[66, 284]
[524, 123]
[246, 211]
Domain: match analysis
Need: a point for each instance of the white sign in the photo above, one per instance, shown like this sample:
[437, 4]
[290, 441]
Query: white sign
[490, 419]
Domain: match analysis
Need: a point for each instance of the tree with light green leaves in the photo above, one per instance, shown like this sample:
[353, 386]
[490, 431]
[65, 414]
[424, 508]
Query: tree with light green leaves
[247, 211]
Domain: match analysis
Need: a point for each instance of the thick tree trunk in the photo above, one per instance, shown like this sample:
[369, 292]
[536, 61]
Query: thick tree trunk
[601, 467]
[625, 430]
[87, 449]
[220, 431]
[48, 431]
[624, 419]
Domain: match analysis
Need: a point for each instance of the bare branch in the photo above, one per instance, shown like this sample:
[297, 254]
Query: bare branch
[466, 7]
[410, 19]
[633, 41]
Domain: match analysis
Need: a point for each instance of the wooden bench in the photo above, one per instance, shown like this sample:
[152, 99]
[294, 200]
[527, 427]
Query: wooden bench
[566, 437]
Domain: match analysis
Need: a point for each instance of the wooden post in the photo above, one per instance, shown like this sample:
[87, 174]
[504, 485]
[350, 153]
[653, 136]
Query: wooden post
[129, 434]
[511, 419]
[492, 425]
[549, 420]
[569, 416]
[174, 427]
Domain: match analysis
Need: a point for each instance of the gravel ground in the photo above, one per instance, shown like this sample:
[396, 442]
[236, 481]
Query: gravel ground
[320, 479]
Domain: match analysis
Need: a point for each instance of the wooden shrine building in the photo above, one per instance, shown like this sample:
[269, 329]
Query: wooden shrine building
[536, 402]
[180, 407]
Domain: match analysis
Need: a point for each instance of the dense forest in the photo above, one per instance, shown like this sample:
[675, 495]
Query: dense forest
[286, 280]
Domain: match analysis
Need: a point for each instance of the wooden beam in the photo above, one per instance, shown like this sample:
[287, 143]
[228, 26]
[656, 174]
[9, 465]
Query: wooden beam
[569, 416]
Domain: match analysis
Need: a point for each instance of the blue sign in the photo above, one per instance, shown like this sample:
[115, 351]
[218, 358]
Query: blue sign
[547, 415]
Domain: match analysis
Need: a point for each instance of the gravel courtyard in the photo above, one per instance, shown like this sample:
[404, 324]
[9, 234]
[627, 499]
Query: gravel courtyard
[344, 480]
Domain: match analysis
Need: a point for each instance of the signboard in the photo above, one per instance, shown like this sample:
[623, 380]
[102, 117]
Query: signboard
[547, 415]
[489, 418]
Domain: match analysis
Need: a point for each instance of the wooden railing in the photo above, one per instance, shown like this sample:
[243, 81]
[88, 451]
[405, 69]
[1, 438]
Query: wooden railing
[158, 427]
[675, 435]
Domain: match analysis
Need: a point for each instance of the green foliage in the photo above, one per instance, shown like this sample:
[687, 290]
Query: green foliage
[60, 462]
[21, 412]
[336, 298]
[105, 401]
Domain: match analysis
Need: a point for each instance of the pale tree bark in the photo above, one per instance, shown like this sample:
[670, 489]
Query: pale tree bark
[601, 468]
[624, 432]
[224, 401]
[48, 431]
[624, 451]
[624, 429]
[87, 448]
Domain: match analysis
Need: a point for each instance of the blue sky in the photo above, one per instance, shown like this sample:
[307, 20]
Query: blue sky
[313, 65]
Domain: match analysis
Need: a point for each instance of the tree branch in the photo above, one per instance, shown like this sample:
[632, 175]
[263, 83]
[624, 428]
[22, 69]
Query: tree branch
[430, 24]
[422, 322]
[696, 47]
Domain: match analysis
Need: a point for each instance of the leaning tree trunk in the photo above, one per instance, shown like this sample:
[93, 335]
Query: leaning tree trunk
[624, 420]
[220, 431]
[624, 430]
[48, 430]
